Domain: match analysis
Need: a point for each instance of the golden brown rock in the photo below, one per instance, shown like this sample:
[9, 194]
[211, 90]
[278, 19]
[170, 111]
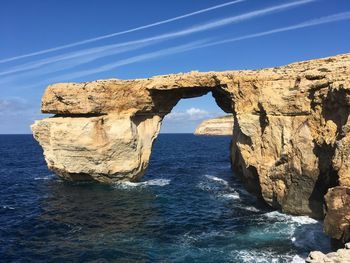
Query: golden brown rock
[337, 220]
[290, 137]
[340, 256]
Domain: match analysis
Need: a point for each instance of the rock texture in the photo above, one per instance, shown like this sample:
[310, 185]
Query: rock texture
[337, 220]
[290, 137]
[216, 126]
[341, 256]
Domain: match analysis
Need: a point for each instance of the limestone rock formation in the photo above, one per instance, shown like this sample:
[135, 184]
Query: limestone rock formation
[290, 136]
[337, 220]
[216, 126]
[340, 256]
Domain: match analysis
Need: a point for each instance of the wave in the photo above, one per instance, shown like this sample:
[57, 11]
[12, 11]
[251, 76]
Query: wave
[48, 177]
[153, 182]
[224, 189]
[8, 207]
[301, 220]
[233, 195]
[304, 232]
[217, 179]
[265, 256]
[298, 259]
[250, 208]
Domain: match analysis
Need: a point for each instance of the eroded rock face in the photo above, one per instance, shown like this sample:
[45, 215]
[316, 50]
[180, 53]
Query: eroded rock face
[337, 220]
[290, 136]
[104, 148]
[222, 126]
[287, 132]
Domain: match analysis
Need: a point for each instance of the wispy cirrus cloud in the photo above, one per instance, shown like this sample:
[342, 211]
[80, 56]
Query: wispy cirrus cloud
[310, 23]
[197, 45]
[74, 59]
[123, 62]
[86, 41]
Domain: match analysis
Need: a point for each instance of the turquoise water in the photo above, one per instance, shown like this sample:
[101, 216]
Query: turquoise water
[187, 208]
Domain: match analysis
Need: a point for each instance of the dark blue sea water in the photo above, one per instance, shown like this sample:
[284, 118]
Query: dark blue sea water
[187, 208]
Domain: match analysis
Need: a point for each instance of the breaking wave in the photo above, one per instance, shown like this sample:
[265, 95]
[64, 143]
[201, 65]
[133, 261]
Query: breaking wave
[8, 207]
[48, 177]
[153, 182]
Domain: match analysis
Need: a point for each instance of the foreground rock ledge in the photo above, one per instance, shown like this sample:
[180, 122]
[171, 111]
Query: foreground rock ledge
[291, 129]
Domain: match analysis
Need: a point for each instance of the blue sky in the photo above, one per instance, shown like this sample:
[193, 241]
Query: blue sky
[43, 42]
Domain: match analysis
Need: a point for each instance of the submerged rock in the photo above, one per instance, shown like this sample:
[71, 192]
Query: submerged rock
[216, 126]
[290, 135]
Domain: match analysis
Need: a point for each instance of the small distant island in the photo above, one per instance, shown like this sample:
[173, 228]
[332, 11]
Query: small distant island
[222, 126]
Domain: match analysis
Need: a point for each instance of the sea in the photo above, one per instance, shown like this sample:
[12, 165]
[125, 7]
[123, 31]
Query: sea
[188, 207]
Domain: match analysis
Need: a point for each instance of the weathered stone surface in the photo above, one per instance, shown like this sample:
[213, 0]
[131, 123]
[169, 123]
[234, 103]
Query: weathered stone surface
[290, 137]
[337, 220]
[341, 256]
[216, 126]
[104, 148]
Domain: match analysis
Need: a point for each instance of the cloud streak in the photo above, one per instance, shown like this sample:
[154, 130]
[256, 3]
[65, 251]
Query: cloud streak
[195, 45]
[45, 51]
[108, 50]
[127, 61]
[206, 43]
[315, 22]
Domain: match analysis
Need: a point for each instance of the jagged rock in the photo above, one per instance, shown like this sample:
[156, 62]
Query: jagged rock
[216, 126]
[341, 256]
[337, 220]
[290, 136]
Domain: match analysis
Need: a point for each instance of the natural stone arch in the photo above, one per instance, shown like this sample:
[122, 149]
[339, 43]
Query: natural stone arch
[284, 118]
[110, 128]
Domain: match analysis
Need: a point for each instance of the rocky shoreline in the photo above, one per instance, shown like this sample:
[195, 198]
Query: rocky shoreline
[340, 256]
[290, 141]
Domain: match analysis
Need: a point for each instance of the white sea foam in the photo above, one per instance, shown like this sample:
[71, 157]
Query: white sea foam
[189, 237]
[8, 207]
[221, 188]
[298, 259]
[48, 177]
[256, 256]
[303, 231]
[233, 195]
[153, 182]
[217, 179]
[250, 208]
[265, 256]
[301, 220]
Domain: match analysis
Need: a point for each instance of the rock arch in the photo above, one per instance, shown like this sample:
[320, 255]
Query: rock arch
[290, 139]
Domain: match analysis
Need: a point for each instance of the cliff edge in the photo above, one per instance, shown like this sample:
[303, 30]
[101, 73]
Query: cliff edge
[222, 126]
[290, 142]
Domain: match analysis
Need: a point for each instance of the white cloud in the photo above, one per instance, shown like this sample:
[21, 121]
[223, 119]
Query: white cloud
[191, 114]
[82, 56]
[309, 23]
[12, 104]
[122, 62]
[16, 106]
[121, 32]
[188, 47]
